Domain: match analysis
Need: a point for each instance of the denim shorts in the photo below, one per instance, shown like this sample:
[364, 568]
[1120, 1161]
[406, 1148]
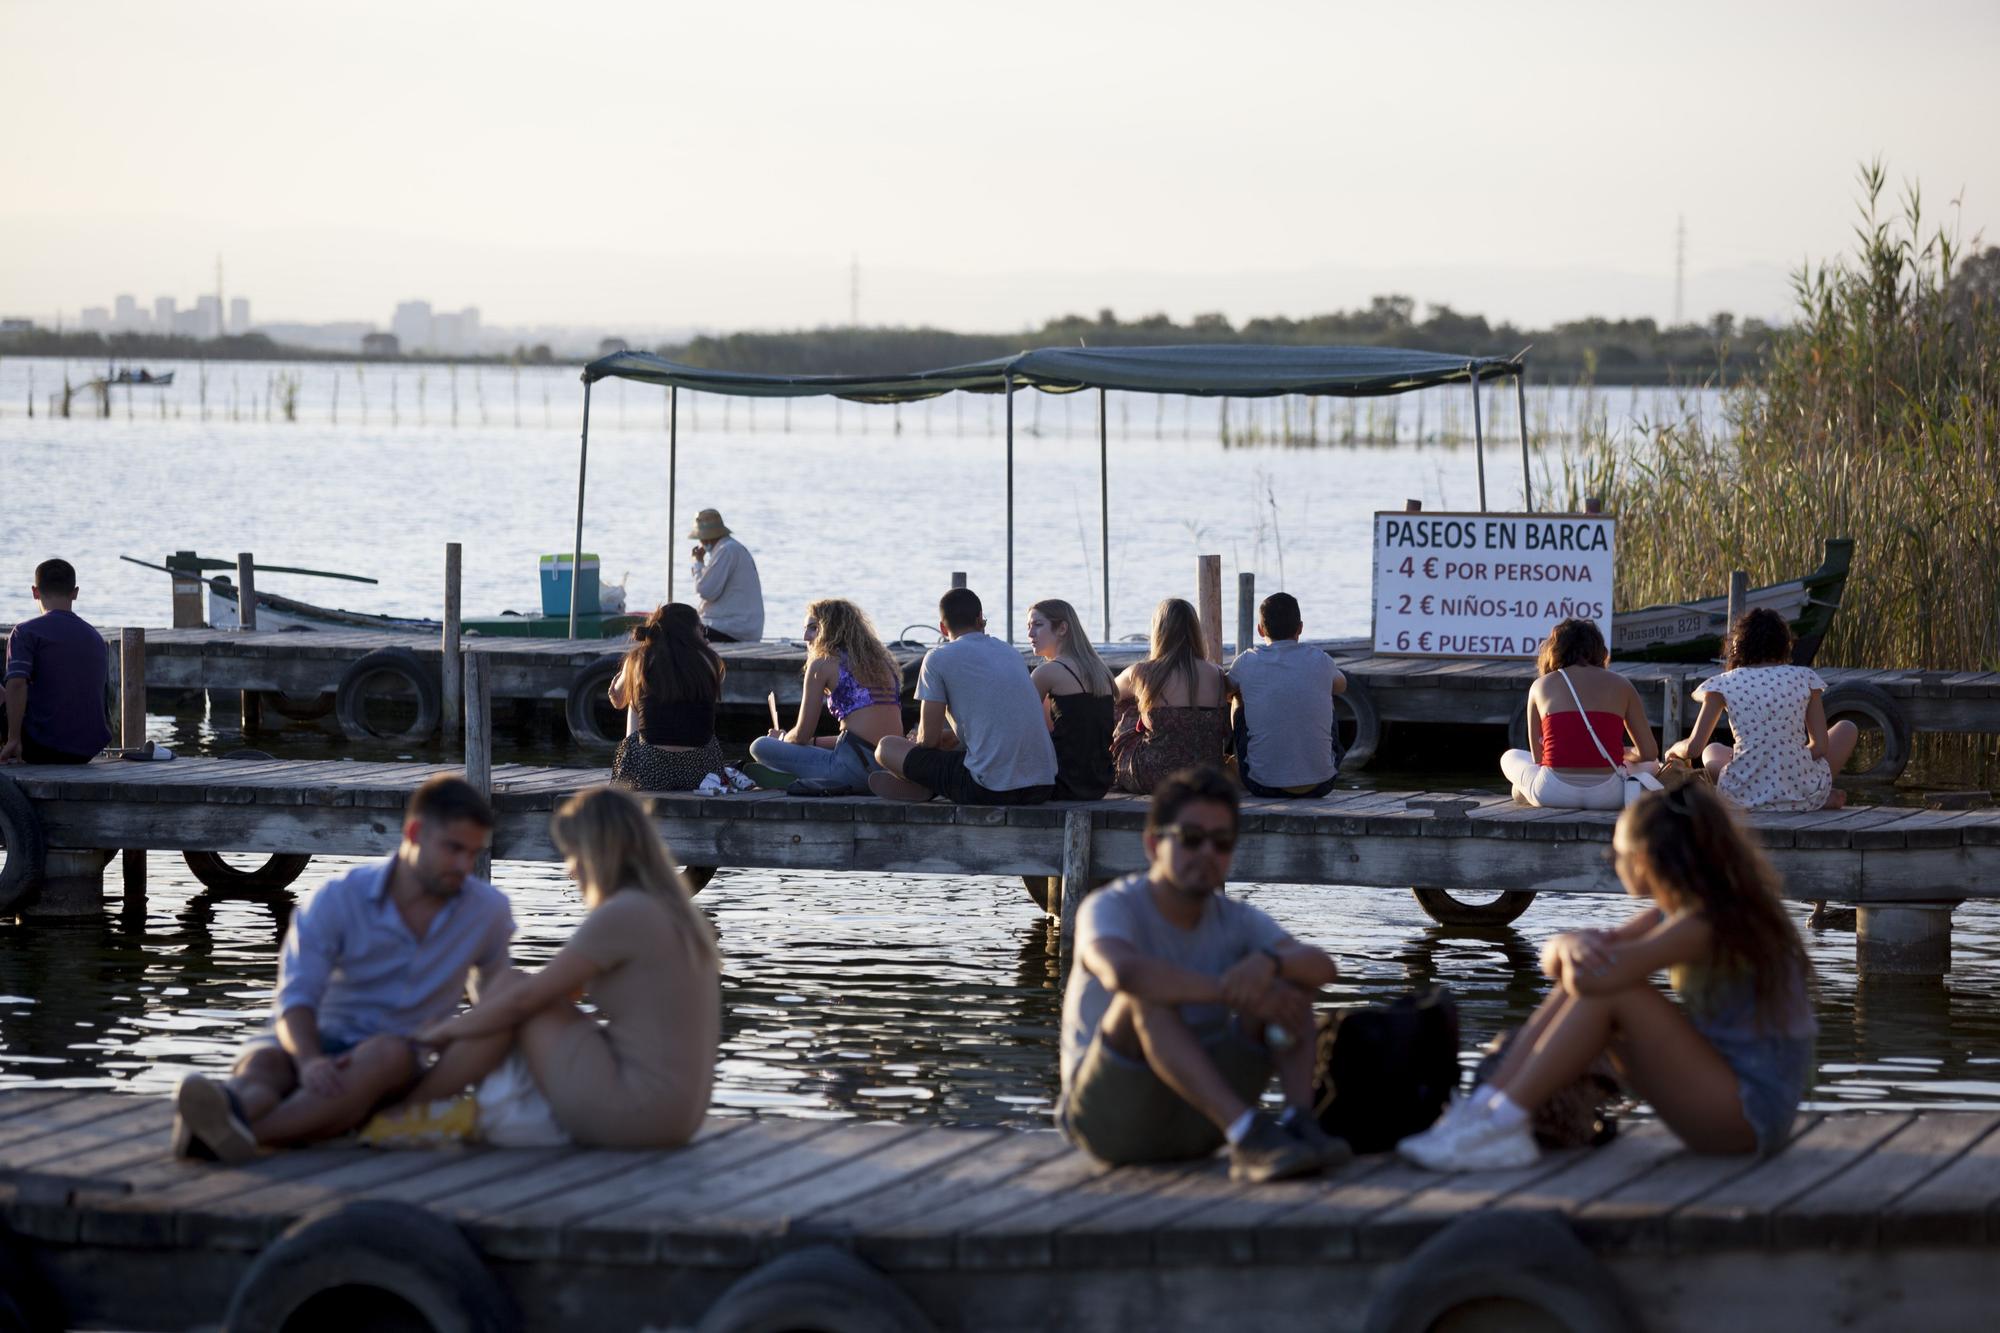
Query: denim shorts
[1772, 1075]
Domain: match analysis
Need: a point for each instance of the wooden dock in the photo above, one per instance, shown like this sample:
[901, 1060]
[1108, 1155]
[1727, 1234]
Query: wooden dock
[1866, 1221]
[1383, 691]
[1904, 867]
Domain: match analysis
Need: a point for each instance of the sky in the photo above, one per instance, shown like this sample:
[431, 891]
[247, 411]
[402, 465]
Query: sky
[733, 165]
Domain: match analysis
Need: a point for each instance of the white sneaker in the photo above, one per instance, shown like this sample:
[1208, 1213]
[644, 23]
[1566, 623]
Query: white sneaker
[1471, 1141]
[737, 779]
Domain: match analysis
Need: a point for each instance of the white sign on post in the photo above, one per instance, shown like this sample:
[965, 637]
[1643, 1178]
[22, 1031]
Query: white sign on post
[1487, 585]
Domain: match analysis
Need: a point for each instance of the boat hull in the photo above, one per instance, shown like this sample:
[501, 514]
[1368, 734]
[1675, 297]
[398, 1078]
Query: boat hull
[285, 613]
[1693, 631]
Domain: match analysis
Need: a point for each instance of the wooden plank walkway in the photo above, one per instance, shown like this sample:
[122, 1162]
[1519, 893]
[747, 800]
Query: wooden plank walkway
[993, 1229]
[1470, 841]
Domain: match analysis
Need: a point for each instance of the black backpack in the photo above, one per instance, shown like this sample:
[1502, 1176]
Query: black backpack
[1385, 1071]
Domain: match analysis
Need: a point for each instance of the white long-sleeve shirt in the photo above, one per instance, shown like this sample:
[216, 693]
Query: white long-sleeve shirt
[732, 596]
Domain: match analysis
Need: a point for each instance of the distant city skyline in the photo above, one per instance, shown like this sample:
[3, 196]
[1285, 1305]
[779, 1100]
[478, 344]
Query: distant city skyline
[719, 166]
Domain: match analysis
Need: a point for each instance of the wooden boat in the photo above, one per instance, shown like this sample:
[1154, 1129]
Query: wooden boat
[1693, 631]
[144, 379]
[288, 613]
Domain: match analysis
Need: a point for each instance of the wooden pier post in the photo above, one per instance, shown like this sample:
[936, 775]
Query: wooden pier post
[479, 737]
[1903, 941]
[1246, 612]
[246, 619]
[1671, 701]
[1208, 603]
[452, 677]
[188, 584]
[958, 578]
[132, 733]
[1075, 874]
[1739, 597]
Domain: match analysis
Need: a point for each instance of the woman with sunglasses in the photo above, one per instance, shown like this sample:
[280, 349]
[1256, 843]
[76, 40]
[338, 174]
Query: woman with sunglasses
[1727, 1068]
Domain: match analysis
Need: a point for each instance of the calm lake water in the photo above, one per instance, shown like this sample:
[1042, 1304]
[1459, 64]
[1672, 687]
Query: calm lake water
[857, 995]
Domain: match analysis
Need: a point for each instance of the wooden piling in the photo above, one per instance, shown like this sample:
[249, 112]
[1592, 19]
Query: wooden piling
[479, 737]
[1208, 603]
[451, 679]
[1075, 873]
[246, 619]
[1671, 701]
[1739, 596]
[132, 733]
[189, 613]
[1246, 612]
[958, 578]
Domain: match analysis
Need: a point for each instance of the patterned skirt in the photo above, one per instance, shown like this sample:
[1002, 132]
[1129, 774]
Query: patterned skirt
[646, 767]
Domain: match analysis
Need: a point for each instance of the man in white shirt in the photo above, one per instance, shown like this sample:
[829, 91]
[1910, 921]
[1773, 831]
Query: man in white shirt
[726, 582]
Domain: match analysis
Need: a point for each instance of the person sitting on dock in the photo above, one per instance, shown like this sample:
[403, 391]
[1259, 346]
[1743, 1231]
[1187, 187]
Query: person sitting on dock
[57, 671]
[852, 676]
[1077, 692]
[725, 579]
[1727, 1067]
[646, 958]
[1284, 707]
[982, 737]
[1581, 715]
[372, 958]
[669, 685]
[1785, 754]
[1182, 1000]
[1172, 707]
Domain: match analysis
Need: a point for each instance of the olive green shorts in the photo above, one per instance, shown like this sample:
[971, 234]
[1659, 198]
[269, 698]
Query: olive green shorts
[1119, 1111]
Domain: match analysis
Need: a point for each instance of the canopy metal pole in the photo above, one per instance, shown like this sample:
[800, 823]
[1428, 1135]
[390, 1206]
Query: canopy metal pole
[1521, 407]
[576, 551]
[1007, 387]
[673, 479]
[1104, 507]
[1478, 436]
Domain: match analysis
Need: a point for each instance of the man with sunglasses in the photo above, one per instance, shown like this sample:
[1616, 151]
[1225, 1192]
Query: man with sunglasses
[1183, 1000]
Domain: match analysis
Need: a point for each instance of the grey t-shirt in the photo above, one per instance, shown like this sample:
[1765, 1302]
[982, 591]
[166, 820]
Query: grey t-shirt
[995, 708]
[1287, 690]
[1229, 931]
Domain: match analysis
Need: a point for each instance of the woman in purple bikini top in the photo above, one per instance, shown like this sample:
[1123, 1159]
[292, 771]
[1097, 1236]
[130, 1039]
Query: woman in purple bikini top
[849, 694]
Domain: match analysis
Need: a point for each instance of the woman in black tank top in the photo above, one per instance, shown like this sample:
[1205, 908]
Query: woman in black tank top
[1076, 690]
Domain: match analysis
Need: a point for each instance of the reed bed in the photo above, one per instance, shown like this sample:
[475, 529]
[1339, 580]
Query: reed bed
[1876, 415]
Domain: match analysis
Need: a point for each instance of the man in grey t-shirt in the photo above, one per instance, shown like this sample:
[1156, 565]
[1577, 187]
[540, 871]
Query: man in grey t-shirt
[1286, 742]
[1180, 1002]
[995, 747]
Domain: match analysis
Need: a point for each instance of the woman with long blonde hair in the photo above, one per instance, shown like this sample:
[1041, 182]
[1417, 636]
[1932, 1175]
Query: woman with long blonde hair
[1727, 1067]
[1172, 707]
[851, 675]
[1077, 692]
[638, 1073]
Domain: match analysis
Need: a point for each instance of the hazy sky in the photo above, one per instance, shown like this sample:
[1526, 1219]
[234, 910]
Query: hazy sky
[718, 164]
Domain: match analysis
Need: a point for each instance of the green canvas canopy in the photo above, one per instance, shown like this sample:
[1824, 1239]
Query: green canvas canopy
[1224, 370]
[1221, 370]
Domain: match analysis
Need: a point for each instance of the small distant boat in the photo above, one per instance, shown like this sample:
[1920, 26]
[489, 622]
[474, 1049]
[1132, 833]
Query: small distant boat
[1693, 631]
[142, 378]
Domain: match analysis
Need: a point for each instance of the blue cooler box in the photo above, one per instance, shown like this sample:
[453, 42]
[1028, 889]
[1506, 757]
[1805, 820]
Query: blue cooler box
[555, 586]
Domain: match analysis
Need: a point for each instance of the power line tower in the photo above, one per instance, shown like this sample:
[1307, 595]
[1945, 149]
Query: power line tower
[854, 291]
[1680, 268]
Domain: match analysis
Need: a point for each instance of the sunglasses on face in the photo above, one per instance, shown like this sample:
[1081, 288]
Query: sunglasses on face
[1194, 839]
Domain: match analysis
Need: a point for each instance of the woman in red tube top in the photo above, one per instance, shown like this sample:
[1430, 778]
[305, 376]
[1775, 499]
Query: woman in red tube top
[1582, 717]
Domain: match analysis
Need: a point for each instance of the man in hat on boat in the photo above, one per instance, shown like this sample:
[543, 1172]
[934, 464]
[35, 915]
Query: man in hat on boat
[725, 579]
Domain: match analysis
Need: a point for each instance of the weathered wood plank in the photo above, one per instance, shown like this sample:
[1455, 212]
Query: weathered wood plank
[1847, 1209]
[1739, 1212]
[1635, 1215]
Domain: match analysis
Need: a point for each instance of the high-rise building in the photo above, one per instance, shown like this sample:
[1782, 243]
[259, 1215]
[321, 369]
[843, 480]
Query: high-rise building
[446, 333]
[125, 313]
[412, 326]
[188, 323]
[468, 330]
[164, 321]
[208, 315]
[239, 314]
[96, 319]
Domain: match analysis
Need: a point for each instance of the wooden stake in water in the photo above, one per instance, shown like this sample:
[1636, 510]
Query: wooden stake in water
[1739, 596]
[1208, 593]
[1246, 612]
[132, 733]
[246, 619]
[479, 737]
[452, 678]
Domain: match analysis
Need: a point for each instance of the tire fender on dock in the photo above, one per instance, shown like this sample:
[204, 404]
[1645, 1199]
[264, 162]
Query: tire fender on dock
[21, 842]
[1868, 705]
[1360, 706]
[350, 700]
[277, 871]
[1440, 906]
[819, 1290]
[356, 1263]
[588, 689]
[1517, 1258]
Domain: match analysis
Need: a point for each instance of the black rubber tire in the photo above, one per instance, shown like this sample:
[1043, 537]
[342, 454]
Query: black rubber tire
[1871, 705]
[820, 1290]
[298, 707]
[1039, 887]
[23, 843]
[376, 1246]
[587, 690]
[277, 872]
[1440, 906]
[349, 699]
[697, 878]
[1530, 1258]
[1360, 706]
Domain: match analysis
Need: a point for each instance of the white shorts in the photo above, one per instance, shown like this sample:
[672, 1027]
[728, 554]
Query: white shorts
[1546, 787]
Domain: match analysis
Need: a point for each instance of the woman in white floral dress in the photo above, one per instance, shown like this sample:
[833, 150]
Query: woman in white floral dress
[1785, 755]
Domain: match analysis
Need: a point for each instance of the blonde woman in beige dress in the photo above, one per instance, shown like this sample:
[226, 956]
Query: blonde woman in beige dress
[637, 1074]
